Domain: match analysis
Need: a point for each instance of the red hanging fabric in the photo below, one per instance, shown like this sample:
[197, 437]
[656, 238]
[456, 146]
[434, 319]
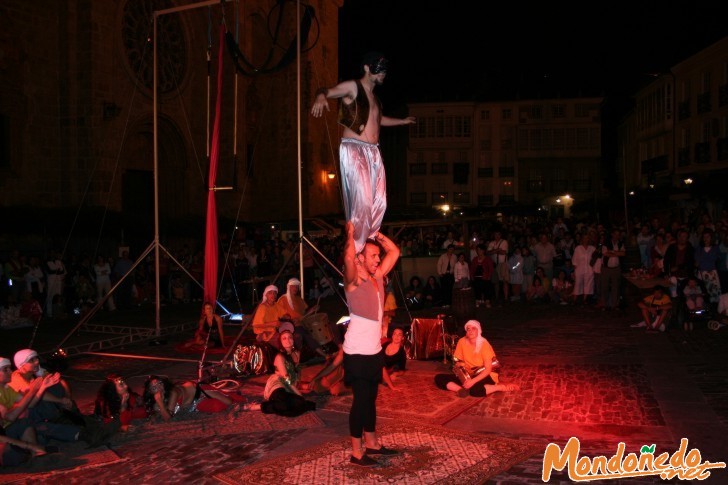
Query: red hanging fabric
[211, 250]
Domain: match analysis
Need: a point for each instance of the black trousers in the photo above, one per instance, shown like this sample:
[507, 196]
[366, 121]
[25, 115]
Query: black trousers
[363, 373]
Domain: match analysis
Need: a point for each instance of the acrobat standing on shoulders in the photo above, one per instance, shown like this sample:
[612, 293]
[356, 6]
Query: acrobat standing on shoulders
[362, 170]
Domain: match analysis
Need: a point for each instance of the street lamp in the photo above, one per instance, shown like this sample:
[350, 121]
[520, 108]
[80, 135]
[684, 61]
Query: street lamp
[688, 181]
[331, 175]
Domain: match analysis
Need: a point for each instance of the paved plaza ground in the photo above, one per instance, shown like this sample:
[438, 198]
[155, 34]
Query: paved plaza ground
[583, 373]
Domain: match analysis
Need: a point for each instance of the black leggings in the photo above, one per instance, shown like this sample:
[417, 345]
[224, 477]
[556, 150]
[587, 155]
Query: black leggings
[363, 373]
[478, 390]
[284, 403]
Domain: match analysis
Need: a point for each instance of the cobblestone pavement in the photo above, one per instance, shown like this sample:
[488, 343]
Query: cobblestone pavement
[583, 373]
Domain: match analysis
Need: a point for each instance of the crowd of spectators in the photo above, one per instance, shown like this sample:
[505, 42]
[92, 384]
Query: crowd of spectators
[512, 260]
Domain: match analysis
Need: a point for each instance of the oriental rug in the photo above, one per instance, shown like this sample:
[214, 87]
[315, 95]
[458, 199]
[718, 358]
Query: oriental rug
[430, 454]
[73, 457]
[601, 394]
[202, 425]
[415, 399]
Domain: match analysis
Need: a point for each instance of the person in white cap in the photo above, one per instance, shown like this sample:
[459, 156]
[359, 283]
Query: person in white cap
[295, 309]
[363, 356]
[268, 317]
[476, 357]
[56, 401]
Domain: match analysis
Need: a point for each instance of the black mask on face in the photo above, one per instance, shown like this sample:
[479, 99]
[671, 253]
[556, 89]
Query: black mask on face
[379, 66]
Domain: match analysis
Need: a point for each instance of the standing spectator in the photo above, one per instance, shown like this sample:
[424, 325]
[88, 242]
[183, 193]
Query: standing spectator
[679, 261]
[583, 269]
[545, 253]
[56, 271]
[707, 256]
[498, 250]
[15, 273]
[35, 278]
[529, 267]
[657, 254]
[446, 271]
[103, 281]
[123, 291]
[515, 268]
[481, 273]
[462, 272]
[612, 253]
[645, 241]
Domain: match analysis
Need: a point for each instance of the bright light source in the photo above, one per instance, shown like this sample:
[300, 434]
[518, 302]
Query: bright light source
[273, 228]
[652, 186]
[445, 207]
[343, 320]
[331, 175]
[567, 196]
[688, 181]
[631, 192]
[558, 201]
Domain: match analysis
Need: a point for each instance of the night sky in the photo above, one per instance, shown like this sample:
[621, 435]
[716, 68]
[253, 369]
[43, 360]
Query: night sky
[489, 50]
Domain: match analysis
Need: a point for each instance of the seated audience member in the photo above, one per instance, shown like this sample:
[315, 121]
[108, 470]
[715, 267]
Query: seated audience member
[475, 356]
[168, 399]
[413, 294]
[432, 292]
[655, 310]
[115, 400]
[281, 394]
[395, 357]
[545, 280]
[536, 292]
[268, 317]
[19, 422]
[561, 289]
[210, 328]
[56, 401]
[295, 309]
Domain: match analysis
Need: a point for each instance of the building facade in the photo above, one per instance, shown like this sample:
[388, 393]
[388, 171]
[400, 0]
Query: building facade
[543, 153]
[76, 111]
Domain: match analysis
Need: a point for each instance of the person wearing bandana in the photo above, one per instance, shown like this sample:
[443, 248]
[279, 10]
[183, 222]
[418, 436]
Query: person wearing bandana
[362, 169]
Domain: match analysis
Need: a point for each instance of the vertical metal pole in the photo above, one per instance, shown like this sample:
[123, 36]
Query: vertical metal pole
[156, 183]
[298, 126]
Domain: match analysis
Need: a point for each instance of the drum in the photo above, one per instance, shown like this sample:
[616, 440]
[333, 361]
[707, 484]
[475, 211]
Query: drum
[251, 359]
[317, 325]
[426, 338]
[463, 304]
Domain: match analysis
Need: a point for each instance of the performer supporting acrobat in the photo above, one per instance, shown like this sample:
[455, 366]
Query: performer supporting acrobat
[362, 171]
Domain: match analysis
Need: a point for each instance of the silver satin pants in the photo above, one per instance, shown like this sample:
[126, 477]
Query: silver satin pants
[364, 187]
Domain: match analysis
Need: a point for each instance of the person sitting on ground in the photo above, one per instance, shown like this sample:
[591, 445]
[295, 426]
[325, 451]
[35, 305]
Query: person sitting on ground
[268, 317]
[655, 309]
[57, 402]
[168, 399]
[536, 292]
[115, 399]
[693, 293]
[475, 356]
[561, 289]
[20, 422]
[395, 357]
[210, 328]
[281, 394]
[294, 310]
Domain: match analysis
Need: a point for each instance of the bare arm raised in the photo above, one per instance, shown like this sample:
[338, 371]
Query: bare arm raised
[391, 256]
[346, 89]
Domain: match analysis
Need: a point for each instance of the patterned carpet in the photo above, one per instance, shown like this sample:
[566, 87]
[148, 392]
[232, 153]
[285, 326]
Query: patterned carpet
[201, 425]
[74, 458]
[416, 398]
[430, 455]
[587, 393]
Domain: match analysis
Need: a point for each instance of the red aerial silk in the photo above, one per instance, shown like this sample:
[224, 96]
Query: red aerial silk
[210, 289]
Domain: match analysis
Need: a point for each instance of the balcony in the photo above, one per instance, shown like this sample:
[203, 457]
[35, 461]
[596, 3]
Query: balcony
[683, 110]
[704, 103]
[702, 152]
